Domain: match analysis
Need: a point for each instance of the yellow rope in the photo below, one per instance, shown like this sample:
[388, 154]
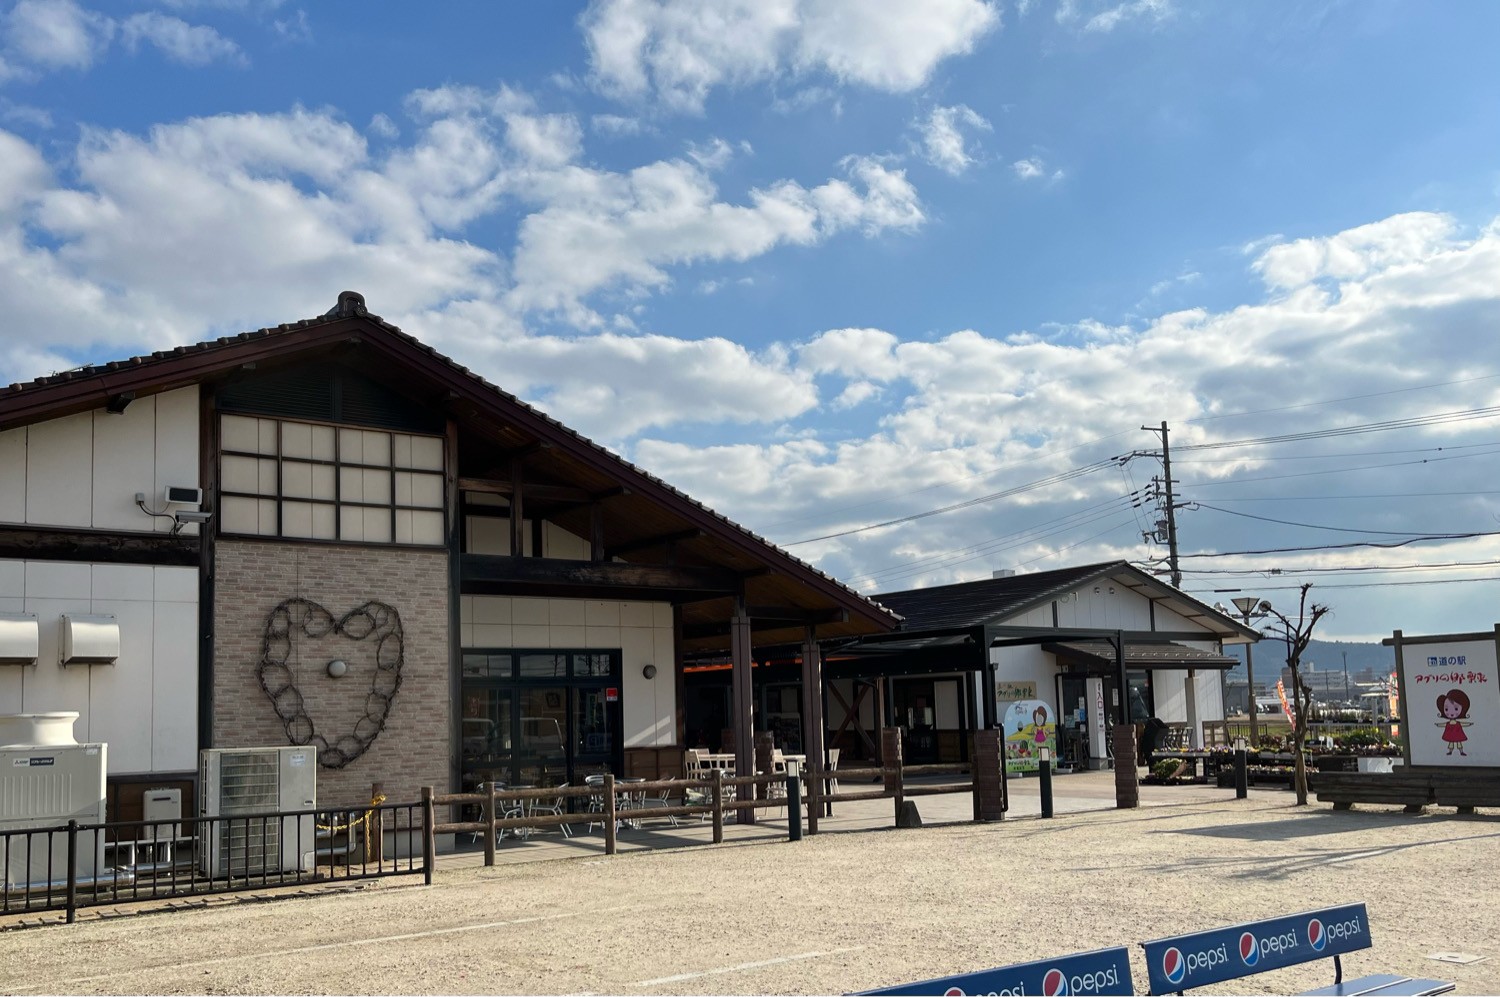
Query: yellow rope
[363, 822]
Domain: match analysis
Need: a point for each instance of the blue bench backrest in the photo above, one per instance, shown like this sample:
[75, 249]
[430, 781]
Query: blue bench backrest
[1104, 972]
[1204, 957]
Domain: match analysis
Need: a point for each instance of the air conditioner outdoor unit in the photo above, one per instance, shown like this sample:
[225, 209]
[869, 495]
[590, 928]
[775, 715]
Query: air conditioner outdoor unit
[46, 780]
[241, 782]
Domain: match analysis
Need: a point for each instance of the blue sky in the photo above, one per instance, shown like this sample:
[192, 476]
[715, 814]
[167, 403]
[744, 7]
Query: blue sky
[825, 263]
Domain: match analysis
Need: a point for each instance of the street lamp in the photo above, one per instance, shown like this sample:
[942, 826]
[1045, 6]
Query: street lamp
[1251, 608]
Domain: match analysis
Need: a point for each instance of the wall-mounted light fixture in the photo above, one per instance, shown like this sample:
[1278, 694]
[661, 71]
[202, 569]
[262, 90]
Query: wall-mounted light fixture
[649, 671]
[338, 668]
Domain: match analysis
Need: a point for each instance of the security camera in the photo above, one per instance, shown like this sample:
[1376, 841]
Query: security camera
[185, 516]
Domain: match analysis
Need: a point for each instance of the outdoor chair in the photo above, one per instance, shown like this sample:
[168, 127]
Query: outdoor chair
[660, 801]
[555, 807]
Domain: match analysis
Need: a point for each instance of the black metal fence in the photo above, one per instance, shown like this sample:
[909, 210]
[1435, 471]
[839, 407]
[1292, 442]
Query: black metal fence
[68, 866]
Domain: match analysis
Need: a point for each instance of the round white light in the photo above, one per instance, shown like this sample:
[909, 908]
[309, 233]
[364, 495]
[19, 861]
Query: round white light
[337, 668]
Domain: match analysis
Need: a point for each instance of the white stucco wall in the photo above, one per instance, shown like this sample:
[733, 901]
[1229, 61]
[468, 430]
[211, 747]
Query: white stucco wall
[145, 706]
[84, 470]
[1107, 605]
[642, 631]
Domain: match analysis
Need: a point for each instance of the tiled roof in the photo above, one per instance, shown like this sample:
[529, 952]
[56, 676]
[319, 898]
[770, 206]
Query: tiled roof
[351, 305]
[989, 600]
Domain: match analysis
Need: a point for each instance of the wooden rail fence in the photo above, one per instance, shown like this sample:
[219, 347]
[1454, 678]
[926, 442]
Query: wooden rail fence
[614, 802]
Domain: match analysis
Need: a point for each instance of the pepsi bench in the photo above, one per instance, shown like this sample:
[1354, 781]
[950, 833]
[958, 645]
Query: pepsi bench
[1184, 961]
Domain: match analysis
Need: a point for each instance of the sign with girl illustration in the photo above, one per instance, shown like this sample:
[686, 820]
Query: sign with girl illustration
[1029, 727]
[1450, 691]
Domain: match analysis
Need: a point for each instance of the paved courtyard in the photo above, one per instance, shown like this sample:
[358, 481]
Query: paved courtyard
[862, 906]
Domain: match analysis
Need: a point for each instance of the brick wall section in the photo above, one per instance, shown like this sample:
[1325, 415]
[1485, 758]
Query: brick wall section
[252, 578]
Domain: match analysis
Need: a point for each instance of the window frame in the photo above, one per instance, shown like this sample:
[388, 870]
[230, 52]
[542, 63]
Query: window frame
[338, 503]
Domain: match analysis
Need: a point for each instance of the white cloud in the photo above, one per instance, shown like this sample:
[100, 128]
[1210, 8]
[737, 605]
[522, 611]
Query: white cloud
[974, 412]
[1034, 168]
[943, 143]
[619, 231]
[232, 221]
[189, 44]
[1106, 16]
[383, 127]
[616, 124]
[56, 34]
[1393, 241]
[679, 50]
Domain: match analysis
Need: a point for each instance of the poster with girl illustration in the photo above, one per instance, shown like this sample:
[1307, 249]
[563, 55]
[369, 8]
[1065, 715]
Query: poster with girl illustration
[1029, 727]
[1452, 693]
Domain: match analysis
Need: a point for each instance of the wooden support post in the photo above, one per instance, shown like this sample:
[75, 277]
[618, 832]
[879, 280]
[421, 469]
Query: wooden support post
[429, 835]
[489, 823]
[610, 812]
[375, 828]
[989, 775]
[1127, 782]
[812, 724]
[880, 714]
[890, 755]
[718, 806]
[743, 722]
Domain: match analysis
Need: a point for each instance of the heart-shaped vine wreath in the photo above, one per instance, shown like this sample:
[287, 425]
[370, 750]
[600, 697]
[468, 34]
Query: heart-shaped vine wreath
[370, 621]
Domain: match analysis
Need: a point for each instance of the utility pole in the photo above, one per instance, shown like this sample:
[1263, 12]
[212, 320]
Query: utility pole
[1166, 463]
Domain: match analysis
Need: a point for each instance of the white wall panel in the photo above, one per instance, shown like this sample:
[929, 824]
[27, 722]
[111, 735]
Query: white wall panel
[123, 582]
[176, 444]
[60, 471]
[12, 579]
[59, 580]
[120, 695]
[124, 463]
[558, 542]
[637, 695]
[174, 687]
[13, 476]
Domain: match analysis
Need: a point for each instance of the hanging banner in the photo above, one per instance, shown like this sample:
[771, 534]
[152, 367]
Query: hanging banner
[1452, 691]
[1029, 727]
[1285, 707]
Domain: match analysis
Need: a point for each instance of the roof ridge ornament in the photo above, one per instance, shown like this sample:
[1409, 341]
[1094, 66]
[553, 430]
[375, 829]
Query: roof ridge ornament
[351, 305]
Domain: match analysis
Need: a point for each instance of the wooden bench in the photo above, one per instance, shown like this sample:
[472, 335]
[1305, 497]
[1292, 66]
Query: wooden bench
[1412, 790]
[1104, 972]
[1205, 957]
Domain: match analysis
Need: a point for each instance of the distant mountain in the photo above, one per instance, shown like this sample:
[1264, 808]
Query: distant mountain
[1367, 661]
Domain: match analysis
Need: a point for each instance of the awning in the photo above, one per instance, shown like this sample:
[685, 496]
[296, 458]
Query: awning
[1098, 655]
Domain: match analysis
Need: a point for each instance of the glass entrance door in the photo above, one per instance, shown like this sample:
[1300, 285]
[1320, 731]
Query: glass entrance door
[540, 718]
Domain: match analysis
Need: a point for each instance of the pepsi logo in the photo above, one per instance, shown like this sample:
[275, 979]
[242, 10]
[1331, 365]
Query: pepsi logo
[1055, 983]
[1249, 949]
[954, 992]
[1316, 936]
[1173, 965]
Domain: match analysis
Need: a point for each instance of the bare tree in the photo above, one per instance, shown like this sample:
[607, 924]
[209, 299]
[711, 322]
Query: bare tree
[1297, 635]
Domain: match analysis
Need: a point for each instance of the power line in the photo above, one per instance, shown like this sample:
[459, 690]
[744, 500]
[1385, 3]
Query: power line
[1332, 470]
[1357, 543]
[993, 496]
[1342, 568]
[993, 545]
[1347, 398]
[1327, 456]
[1365, 585]
[1312, 526]
[1412, 422]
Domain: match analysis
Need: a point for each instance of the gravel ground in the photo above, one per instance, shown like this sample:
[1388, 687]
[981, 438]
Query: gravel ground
[835, 913]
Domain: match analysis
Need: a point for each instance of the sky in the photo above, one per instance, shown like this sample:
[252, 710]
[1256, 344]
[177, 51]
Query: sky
[831, 264]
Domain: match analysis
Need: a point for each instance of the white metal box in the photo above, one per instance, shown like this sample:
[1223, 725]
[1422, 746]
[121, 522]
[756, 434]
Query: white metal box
[20, 639]
[90, 640]
[45, 786]
[234, 782]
